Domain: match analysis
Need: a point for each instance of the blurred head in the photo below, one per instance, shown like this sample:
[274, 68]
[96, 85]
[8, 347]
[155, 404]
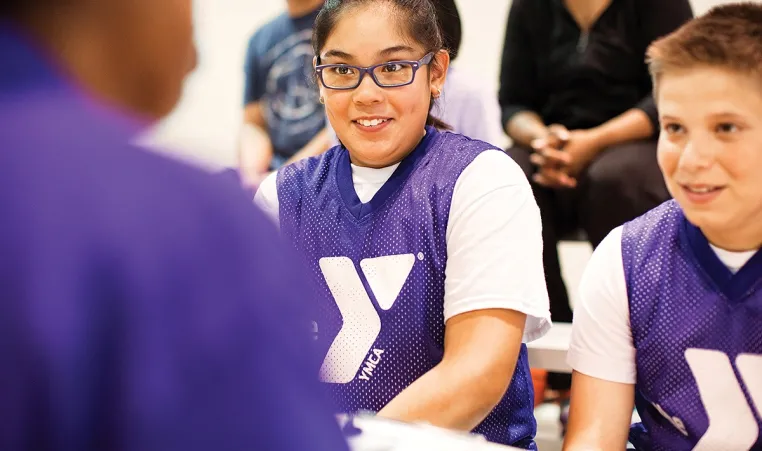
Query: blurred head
[449, 22]
[708, 87]
[380, 125]
[135, 53]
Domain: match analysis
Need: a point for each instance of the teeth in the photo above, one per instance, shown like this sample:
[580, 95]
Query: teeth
[371, 123]
[700, 190]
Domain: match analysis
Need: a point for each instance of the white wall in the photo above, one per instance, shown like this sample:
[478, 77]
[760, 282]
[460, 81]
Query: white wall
[205, 125]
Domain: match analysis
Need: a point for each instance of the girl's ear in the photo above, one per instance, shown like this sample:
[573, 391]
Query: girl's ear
[438, 73]
[317, 78]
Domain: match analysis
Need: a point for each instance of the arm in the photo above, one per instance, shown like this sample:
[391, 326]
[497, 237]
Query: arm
[317, 145]
[481, 349]
[602, 355]
[633, 124]
[519, 93]
[560, 166]
[600, 414]
[526, 126]
[493, 214]
[255, 149]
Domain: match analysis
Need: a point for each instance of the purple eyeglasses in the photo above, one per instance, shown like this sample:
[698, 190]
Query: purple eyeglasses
[390, 74]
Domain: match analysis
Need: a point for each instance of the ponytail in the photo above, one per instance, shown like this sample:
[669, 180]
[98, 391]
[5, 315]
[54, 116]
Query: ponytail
[435, 121]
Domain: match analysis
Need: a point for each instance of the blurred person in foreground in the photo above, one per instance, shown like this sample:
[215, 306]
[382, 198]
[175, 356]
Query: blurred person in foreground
[144, 305]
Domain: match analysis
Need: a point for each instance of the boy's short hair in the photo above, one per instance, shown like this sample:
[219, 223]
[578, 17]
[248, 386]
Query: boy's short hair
[728, 36]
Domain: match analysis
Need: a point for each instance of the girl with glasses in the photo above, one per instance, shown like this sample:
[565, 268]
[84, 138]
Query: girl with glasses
[425, 246]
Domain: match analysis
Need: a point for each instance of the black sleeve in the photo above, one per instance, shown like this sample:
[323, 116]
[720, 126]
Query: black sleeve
[518, 81]
[659, 18]
[648, 106]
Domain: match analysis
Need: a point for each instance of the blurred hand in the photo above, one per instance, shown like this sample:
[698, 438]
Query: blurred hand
[562, 155]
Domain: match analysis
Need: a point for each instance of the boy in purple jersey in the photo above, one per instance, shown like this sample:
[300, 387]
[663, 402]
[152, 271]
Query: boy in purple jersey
[144, 305]
[670, 311]
[425, 245]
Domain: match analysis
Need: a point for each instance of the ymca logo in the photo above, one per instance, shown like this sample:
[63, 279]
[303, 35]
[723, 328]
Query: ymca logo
[361, 324]
[731, 420]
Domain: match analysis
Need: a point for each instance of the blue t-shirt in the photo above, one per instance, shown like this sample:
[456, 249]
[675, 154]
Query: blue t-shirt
[279, 73]
[144, 305]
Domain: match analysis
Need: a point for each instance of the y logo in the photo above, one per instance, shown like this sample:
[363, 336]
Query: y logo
[731, 421]
[386, 276]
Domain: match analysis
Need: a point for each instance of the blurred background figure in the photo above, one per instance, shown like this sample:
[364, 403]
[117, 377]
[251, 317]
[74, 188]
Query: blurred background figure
[283, 119]
[576, 99]
[144, 305]
[466, 104]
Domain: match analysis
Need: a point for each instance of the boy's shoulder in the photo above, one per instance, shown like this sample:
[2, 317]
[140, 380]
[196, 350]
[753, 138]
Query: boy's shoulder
[69, 170]
[654, 224]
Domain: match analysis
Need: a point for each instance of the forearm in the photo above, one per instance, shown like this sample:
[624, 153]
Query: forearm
[448, 397]
[631, 125]
[600, 416]
[317, 145]
[598, 435]
[255, 151]
[525, 127]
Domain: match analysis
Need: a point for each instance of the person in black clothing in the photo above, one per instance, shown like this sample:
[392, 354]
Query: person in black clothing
[575, 94]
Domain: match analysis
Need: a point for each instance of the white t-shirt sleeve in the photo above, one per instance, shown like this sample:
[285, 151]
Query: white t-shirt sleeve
[266, 197]
[494, 244]
[601, 344]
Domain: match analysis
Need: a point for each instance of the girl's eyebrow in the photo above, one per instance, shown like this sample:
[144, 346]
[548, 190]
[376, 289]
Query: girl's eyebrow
[335, 53]
[396, 49]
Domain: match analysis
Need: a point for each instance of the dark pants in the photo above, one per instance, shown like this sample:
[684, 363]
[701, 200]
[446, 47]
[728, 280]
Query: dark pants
[622, 183]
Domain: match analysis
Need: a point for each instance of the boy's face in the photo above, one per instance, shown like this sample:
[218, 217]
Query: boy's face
[710, 149]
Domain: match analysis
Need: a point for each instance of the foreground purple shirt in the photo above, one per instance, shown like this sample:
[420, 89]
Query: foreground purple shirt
[144, 305]
[697, 331]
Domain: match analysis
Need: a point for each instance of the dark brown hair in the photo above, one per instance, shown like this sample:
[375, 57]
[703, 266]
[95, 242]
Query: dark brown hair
[450, 24]
[419, 18]
[728, 36]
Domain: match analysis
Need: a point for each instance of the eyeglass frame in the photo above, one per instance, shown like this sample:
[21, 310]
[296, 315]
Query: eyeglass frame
[427, 58]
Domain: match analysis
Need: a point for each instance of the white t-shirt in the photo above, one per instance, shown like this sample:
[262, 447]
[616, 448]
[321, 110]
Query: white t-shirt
[494, 238]
[601, 344]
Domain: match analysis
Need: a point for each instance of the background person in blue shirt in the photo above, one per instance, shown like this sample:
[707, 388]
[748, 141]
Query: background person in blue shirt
[283, 119]
[144, 305]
